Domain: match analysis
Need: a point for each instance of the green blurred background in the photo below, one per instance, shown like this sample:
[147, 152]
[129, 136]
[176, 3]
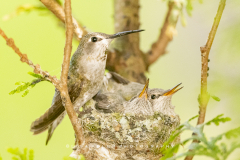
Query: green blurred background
[39, 36]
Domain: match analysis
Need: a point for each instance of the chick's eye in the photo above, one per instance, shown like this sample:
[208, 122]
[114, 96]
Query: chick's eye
[153, 96]
[94, 39]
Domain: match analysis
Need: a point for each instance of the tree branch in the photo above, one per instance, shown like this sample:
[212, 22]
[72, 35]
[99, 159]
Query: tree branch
[58, 11]
[24, 58]
[126, 49]
[65, 67]
[167, 32]
[60, 85]
[205, 50]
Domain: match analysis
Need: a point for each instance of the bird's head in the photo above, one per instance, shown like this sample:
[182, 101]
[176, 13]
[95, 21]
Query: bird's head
[161, 99]
[95, 43]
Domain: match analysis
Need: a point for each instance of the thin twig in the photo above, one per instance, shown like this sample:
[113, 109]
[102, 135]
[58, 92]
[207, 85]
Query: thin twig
[58, 11]
[65, 67]
[204, 96]
[24, 58]
[167, 32]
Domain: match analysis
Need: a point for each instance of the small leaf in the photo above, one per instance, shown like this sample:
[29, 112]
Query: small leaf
[19, 83]
[193, 118]
[68, 158]
[233, 133]
[189, 7]
[14, 151]
[215, 98]
[218, 119]
[35, 75]
[25, 93]
[12, 92]
[31, 154]
[183, 20]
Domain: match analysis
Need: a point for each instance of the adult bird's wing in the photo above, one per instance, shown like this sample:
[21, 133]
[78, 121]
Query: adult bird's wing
[55, 113]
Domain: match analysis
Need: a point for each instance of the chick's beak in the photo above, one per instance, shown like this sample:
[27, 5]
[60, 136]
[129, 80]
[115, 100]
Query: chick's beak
[173, 90]
[119, 34]
[144, 91]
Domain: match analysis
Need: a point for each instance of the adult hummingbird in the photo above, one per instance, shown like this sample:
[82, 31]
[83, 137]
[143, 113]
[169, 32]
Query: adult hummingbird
[85, 78]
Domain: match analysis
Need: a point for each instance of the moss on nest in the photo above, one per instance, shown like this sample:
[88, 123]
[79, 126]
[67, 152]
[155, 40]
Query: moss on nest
[129, 133]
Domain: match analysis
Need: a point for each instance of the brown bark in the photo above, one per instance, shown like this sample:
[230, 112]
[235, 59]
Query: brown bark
[58, 11]
[64, 75]
[24, 58]
[167, 32]
[127, 58]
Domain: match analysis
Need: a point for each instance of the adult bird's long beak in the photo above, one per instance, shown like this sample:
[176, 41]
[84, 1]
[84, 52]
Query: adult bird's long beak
[173, 90]
[119, 34]
[144, 91]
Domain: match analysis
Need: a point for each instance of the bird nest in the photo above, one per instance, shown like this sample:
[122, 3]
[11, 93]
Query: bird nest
[125, 136]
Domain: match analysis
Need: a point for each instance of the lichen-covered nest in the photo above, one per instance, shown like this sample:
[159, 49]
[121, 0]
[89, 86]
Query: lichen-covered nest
[135, 137]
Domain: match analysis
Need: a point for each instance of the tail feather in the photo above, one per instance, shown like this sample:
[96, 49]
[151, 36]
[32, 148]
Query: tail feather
[54, 115]
[45, 121]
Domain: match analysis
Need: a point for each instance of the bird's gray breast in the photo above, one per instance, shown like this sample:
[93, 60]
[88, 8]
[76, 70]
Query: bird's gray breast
[92, 73]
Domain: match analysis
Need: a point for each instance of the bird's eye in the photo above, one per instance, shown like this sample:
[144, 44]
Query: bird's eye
[153, 96]
[94, 39]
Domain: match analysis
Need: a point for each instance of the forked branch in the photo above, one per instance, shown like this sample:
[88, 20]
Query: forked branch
[24, 58]
[167, 32]
[60, 85]
[58, 11]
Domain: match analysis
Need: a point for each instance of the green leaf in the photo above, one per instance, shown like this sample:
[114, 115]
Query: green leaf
[209, 148]
[68, 158]
[193, 118]
[189, 7]
[0, 157]
[14, 151]
[31, 154]
[218, 119]
[234, 133]
[35, 75]
[22, 156]
[26, 86]
[215, 98]
[24, 8]
[25, 93]
[183, 20]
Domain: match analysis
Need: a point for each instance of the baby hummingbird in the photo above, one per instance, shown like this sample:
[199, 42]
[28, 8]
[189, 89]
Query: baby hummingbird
[113, 102]
[85, 78]
[123, 96]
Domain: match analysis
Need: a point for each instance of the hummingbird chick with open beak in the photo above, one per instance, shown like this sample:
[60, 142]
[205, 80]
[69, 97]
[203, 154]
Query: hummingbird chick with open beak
[161, 100]
[140, 104]
[119, 90]
[85, 78]
[114, 102]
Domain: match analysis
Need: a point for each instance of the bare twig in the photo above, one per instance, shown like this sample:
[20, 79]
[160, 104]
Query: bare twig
[58, 11]
[65, 67]
[61, 86]
[167, 32]
[204, 96]
[24, 58]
